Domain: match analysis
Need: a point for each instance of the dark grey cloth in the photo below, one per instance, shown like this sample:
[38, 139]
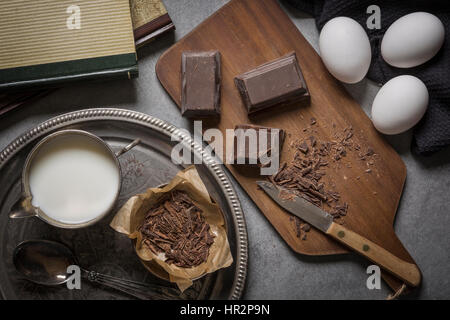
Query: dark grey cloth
[433, 132]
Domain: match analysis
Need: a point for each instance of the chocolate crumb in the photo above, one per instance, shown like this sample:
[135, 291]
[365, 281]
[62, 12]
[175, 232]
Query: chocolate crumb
[306, 227]
[303, 147]
[297, 227]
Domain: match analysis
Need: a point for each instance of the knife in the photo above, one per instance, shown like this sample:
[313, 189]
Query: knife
[323, 221]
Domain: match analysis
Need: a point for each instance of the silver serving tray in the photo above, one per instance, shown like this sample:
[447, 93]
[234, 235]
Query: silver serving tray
[99, 247]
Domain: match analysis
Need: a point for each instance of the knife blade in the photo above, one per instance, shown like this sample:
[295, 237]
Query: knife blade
[298, 206]
[323, 221]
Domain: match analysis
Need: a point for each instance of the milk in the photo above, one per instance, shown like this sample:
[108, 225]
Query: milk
[73, 179]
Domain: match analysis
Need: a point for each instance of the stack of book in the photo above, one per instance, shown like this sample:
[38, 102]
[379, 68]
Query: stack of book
[150, 19]
[47, 44]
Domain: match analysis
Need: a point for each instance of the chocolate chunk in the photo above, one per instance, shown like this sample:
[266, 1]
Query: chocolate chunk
[246, 152]
[277, 82]
[200, 82]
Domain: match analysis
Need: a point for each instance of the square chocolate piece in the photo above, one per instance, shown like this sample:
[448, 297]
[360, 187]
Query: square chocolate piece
[200, 84]
[276, 82]
[250, 152]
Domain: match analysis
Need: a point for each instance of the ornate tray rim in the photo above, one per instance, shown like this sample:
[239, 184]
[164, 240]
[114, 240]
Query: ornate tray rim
[165, 128]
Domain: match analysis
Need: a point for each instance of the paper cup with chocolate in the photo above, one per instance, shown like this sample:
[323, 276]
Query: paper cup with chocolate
[177, 228]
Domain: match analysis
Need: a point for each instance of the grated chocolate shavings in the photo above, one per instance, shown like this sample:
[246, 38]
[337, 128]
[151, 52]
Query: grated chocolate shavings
[303, 176]
[176, 227]
[312, 158]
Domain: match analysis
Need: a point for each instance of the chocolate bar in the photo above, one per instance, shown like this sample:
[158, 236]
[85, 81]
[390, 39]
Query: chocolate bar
[276, 82]
[242, 144]
[200, 82]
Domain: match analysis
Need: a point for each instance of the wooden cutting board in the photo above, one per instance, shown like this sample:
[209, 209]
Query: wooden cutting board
[250, 32]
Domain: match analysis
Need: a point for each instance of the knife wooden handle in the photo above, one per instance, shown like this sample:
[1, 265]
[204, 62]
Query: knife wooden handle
[406, 271]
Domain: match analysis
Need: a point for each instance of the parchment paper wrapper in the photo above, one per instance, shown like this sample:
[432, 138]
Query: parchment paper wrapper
[130, 217]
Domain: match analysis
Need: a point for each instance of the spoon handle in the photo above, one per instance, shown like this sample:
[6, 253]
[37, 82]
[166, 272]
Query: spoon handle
[138, 290]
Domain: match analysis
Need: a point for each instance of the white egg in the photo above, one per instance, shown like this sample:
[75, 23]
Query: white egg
[399, 105]
[412, 40]
[345, 49]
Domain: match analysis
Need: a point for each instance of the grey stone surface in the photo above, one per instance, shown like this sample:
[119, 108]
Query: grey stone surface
[275, 271]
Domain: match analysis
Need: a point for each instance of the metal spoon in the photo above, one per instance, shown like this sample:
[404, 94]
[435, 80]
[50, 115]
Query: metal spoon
[45, 262]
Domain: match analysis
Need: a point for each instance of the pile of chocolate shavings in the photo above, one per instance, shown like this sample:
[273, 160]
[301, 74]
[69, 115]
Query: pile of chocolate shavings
[303, 176]
[176, 227]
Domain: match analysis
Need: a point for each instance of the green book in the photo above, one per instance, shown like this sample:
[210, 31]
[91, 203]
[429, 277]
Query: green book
[44, 43]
